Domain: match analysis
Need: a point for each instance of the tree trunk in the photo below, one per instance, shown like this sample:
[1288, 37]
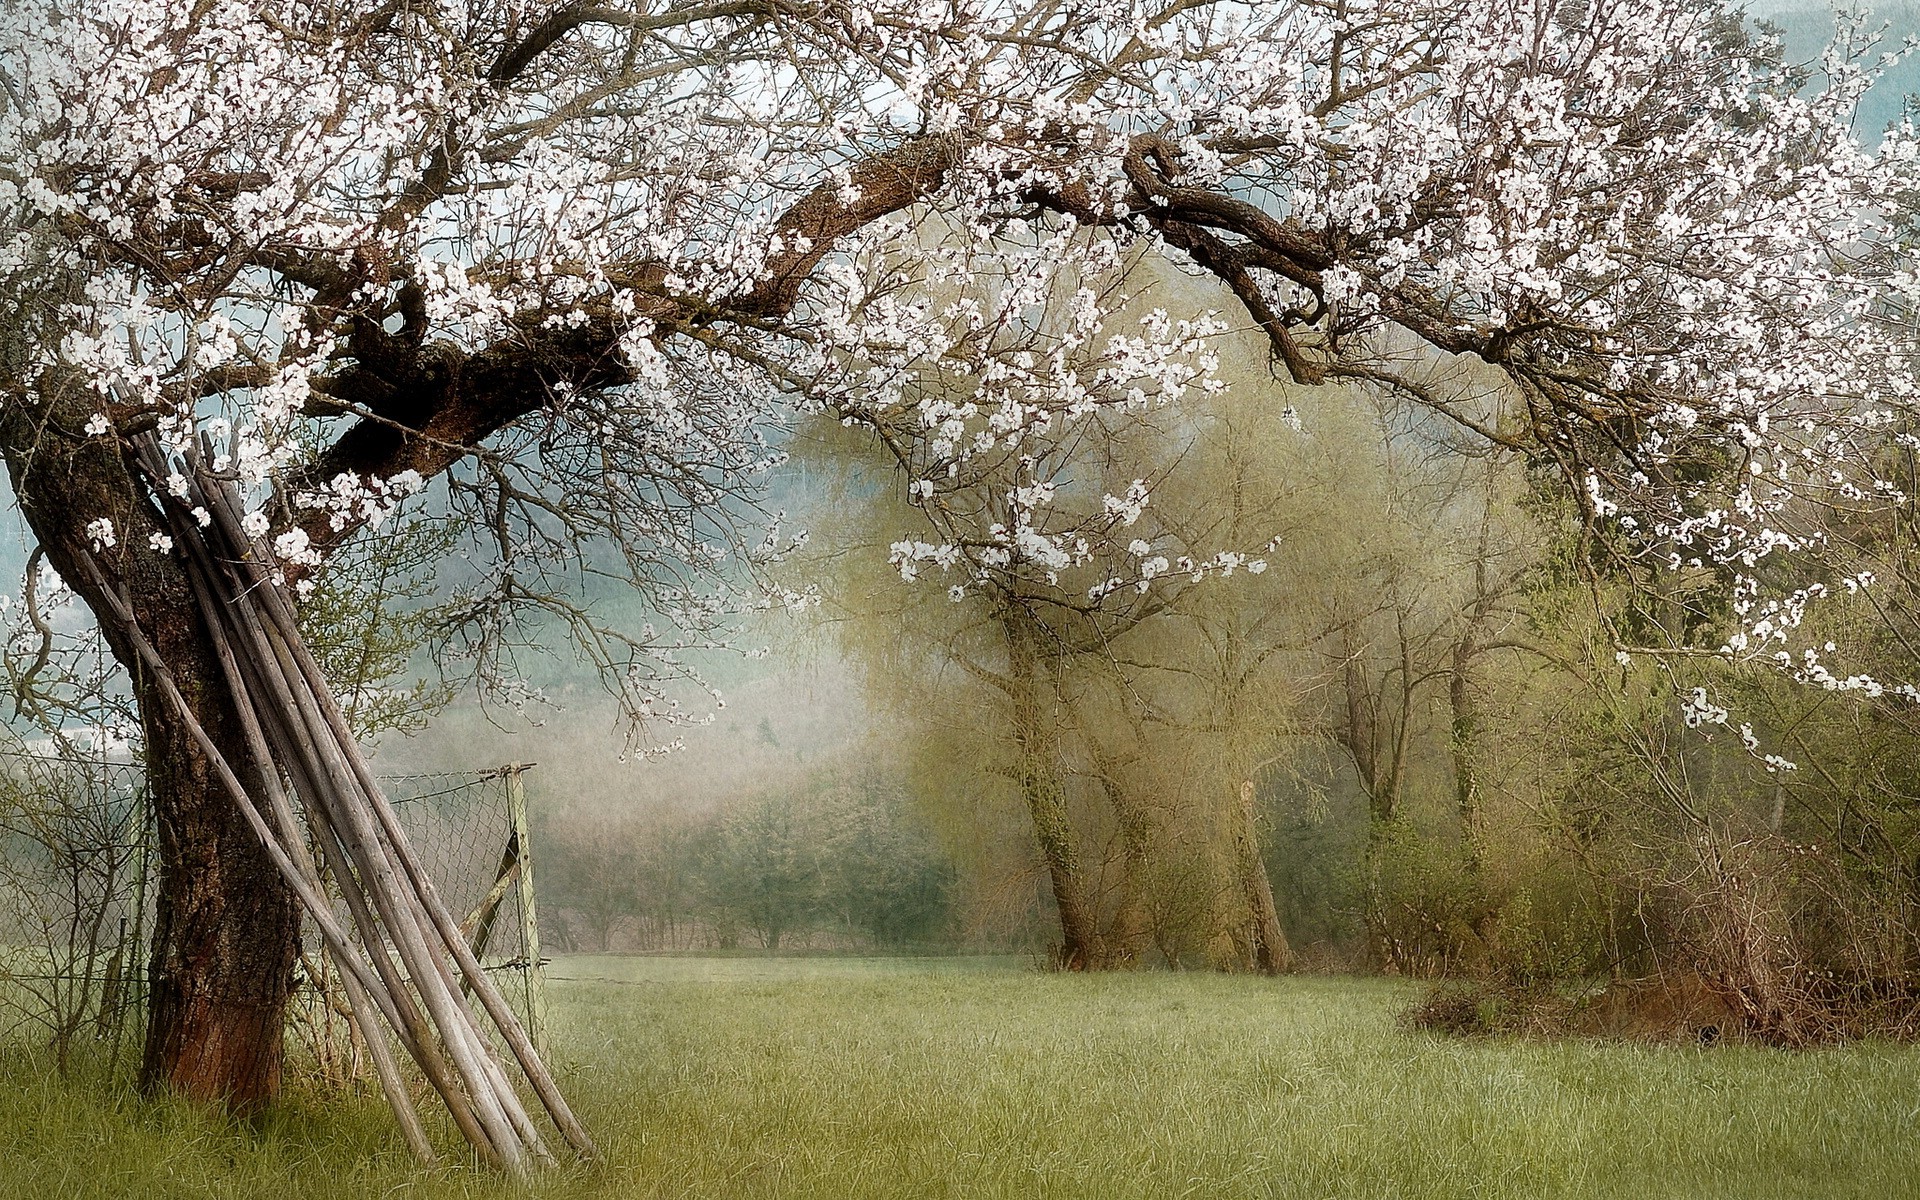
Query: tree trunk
[1271, 953]
[227, 930]
[1037, 737]
[1131, 928]
[1047, 804]
[1461, 744]
[1130, 931]
[1379, 757]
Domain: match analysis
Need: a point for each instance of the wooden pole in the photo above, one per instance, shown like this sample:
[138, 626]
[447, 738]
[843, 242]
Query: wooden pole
[292, 725]
[405, 898]
[529, 915]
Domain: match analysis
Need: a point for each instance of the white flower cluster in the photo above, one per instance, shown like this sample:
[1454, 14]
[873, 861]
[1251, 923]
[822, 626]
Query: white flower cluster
[349, 499]
[908, 555]
[295, 548]
[1151, 566]
[1698, 710]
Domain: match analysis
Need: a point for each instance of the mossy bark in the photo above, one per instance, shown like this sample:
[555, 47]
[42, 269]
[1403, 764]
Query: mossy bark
[1271, 954]
[1034, 694]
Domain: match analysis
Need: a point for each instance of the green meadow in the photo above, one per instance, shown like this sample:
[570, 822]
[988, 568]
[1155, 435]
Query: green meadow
[842, 1078]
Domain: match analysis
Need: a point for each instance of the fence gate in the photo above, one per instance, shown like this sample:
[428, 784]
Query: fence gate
[470, 828]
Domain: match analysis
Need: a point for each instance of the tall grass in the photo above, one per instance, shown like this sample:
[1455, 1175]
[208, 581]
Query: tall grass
[841, 1079]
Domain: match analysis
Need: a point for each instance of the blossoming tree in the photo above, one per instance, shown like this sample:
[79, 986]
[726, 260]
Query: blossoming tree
[559, 266]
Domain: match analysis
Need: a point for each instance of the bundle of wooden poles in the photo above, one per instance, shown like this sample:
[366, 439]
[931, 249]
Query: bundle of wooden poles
[400, 950]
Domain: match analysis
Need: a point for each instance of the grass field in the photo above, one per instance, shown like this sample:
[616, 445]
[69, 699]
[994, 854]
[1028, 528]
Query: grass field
[844, 1078]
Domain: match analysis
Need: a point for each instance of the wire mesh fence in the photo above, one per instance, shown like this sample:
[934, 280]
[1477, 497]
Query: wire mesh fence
[75, 900]
[78, 884]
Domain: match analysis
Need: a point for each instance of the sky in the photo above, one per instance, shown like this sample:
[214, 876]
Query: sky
[1807, 28]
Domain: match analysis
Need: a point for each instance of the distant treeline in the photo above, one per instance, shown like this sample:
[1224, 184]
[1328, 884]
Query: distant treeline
[850, 861]
[834, 862]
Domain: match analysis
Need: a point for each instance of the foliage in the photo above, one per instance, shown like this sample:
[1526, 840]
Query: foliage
[888, 879]
[1120, 726]
[761, 874]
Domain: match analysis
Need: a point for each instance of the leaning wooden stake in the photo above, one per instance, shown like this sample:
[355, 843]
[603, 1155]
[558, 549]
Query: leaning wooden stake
[406, 961]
